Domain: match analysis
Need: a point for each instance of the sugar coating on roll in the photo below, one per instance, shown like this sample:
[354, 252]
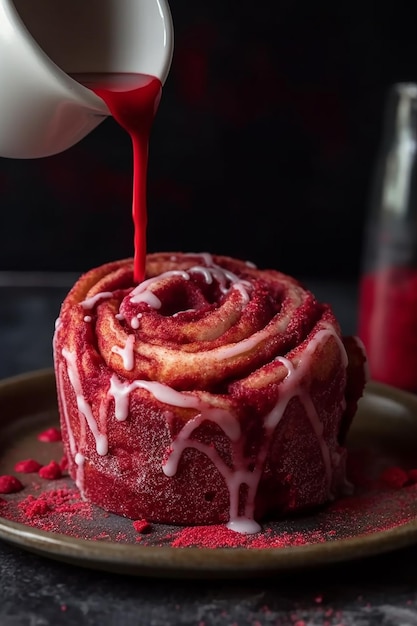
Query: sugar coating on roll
[212, 392]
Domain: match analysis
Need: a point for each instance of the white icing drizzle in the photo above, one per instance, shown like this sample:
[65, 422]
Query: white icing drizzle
[205, 256]
[79, 479]
[242, 286]
[82, 404]
[77, 457]
[231, 350]
[205, 271]
[127, 353]
[134, 323]
[141, 293]
[241, 473]
[89, 303]
[226, 279]
[120, 391]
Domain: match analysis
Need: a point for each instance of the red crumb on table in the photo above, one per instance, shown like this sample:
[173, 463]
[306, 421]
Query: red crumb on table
[27, 466]
[3, 501]
[50, 435]
[52, 471]
[394, 477]
[10, 484]
[142, 526]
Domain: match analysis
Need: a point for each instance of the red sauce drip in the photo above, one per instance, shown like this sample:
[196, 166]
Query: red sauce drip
[133, 100]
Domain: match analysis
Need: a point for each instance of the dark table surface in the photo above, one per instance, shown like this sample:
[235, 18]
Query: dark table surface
[38, 591]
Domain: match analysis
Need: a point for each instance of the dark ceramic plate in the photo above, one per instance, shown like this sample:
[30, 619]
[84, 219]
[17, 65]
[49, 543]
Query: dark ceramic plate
[49, 518]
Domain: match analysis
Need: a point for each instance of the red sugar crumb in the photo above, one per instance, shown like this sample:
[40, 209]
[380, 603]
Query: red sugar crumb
[3, 501]
[27, 466]
[63, 501]
[50, 435]
[142, 526]
[394, 477]
[52, 471]
[10, 484]
[36, 507]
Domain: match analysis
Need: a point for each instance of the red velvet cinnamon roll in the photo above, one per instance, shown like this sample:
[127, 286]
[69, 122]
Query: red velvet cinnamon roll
[212, 392]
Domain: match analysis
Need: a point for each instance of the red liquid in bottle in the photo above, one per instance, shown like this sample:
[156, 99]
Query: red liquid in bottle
[133, 100]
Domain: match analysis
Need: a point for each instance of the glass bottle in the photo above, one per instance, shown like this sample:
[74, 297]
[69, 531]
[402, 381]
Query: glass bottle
[387, 319]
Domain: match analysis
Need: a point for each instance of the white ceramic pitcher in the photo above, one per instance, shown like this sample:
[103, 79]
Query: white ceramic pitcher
[44, 111]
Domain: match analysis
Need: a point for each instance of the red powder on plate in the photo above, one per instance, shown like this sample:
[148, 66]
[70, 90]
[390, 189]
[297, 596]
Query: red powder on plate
[28, 466]
[50, 435]
[52, 509]
[52, 471]
[412, 476]
[209, 537]
[3, 501]
[10, 484]
[36, 507]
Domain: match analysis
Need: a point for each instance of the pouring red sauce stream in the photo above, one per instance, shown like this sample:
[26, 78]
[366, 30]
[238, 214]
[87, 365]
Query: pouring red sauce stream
[133, 100]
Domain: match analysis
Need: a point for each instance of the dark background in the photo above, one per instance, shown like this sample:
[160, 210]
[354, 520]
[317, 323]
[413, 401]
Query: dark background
[263, 146]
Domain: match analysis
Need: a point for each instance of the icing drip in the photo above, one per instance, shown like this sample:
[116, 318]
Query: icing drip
[127, 352]
[83, 406]
[120, 391]
[234, 477]
[242, 472]
[141, 293]
[79, 480]
[227, 280]
[79, 477]
[134, 322]
[89, 303]
[227, 352]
